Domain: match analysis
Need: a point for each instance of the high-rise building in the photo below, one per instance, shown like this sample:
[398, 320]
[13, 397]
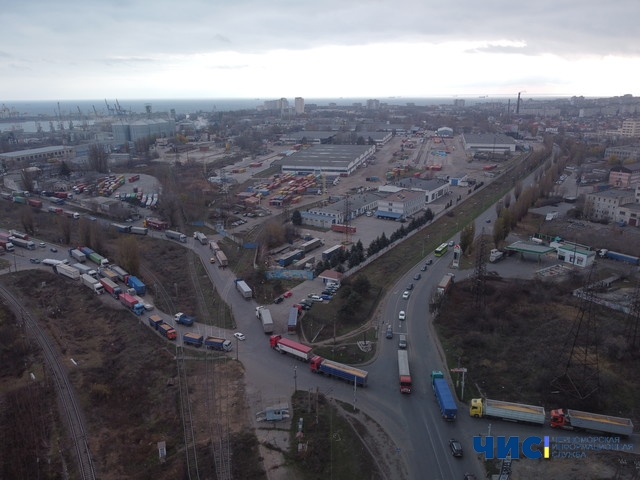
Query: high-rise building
[299, 105]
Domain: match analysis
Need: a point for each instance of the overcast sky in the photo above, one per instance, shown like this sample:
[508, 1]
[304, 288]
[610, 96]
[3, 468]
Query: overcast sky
[128, 49]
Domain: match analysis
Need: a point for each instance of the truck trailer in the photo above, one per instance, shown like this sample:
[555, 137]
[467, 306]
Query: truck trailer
[444, 397]
[201, 237]
[90, 282]
[77, 255]
[284, 345]
[264, 315]
[22, 243]
[513, 412]
[139, 230]
[243, 288]
[403, 371]
[131, 303]
[121, 228]
[593, 422]
[217, 343]
[110, 287]
[67, 270]
[137, 285]
[194, 339]
[339, 370]
[85, 269]
[184, 319]
[621, 257]
[221, 258]
[98, 259]
[121, 273]
[292, 321]
[173, 235]
[445, 284]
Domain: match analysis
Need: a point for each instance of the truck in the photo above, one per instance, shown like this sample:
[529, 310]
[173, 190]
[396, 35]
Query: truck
[194, 339]
[284, 346]
[334, 369]
[155, 321]
[222, 259]
[110, 287]
[131, 303]
[167, 331]
[336, 227]
[22, 243]
[444, 397]
[139, 230]
[594, 422]
[92, 283]
[217, 343]
[120, 272]
[173, 235]
[7, 245]
[137, 284]
[107, 273]
[32, 202]
[86, 250]
[513, 412]
[184, 319]
[70, 214]
[67, 271]
[264, 315]
[121, 228]
[495, 255]
[243, 288]
[98, 259]
[77, 255]
[56, 210]
[155, 223]
[292, 321]
[201, 237]
[445, 284]
[403, 371]
[84, 269]
[147, 306]
[622, 257]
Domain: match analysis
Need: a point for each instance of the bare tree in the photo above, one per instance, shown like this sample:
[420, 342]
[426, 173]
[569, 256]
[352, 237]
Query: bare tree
[26, 218]
[28, 179]
[64, 223]
[98, 158]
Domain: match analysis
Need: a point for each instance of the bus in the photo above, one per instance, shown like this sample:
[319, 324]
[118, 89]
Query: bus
[441, 250]
[403, 370]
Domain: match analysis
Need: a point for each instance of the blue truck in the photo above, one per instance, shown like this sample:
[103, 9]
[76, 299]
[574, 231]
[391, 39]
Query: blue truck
[444, 397]
[137, 285]
[194, 339]
[184, 319]
[339, 370]
[621, 257]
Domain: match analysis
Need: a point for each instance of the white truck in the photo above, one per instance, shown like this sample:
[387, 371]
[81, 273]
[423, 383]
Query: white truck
[85, 269]
[78, 255]
[173, 235]
[244, 289]
[264, 315]
[67, 270]
[95, 286]
[495, 255]
[201, 237]
[514, 412]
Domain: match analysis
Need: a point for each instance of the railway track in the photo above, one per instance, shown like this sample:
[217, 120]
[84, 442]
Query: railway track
[67, 401]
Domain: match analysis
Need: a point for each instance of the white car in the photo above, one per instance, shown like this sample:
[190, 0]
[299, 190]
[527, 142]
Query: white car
[402, 315]
[406, 294]
[239, 336]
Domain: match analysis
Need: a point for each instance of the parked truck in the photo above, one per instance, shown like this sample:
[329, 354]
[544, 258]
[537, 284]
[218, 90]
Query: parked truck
[201, 237]
[137, 285]
[338, 370]
[194, 339]
[444, 397]
[222, 259]
[621, 257]
[34, 203]
[122, 274]
[22, 243]
[217, 343]
[77, 255]
[292, 321]
[7, 245]
[243, 288]
[514, 412]
[131, 303]
[92, 283]
[264, 315]
[110, 287]
[173, 235]
[121, 228]
[165, 329]
[284, 345]
[98, 259]
[67, 271]
[184, 319]
[445, 284]
[593, 422]
[147, 306]
[495, 255]
[84, 269]
[139, 230]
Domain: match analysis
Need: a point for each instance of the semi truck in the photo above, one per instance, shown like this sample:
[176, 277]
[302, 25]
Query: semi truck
[444, 397]
[34, 203]
[513, 412]
[147, 306]
[155, 223]
[403, 371]
[67, 271]
[106, 273]
[594, 422]
[194, 339]
[121, 228]
[120, 272]
[445, 284]
[184, 319]
[173, 235]
[292, 321]
[77, 255]
[110, 287]
[98, 259]
[222, 259]
[22, 243]
[7, 245]
[338, 370]
[284, 345]
[165, 329]
[56, 210]
[139, 230]
[92, 283]
[264, 315]
[217, 343]
[495, 255]
[137, 285]
[201, 237]
[622, 257]
[131, 303]
[243, 288]
[84, 269]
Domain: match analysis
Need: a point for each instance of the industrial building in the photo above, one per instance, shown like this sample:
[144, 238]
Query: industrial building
[38, 155]
[607, 204]
[625, 176]
[342, 210]
[488, 142]
[332, 160]
[124, 132]
[433, 189]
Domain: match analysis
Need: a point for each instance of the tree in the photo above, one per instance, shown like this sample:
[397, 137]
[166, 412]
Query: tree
[98, 158]
[466, 237]
[64, 171]
[129, 254]
[296, 218]
[28, 179]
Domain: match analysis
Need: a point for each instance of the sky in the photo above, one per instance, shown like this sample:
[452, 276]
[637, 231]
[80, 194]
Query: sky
[130, 49]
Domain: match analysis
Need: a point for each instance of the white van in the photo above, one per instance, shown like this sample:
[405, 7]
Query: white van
[402, 342]
[52, 262]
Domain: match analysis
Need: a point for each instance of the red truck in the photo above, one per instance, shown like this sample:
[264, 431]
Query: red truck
[60, 194]
[134, 178]
[131, 303]
[336, 227]
[35, 203]
[284, 345]
[156, 224]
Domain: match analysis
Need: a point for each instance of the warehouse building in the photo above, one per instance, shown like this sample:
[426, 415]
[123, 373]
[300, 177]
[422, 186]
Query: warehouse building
[330, 160]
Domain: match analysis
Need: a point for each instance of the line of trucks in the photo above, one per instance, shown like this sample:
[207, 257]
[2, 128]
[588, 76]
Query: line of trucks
[317, 364]
[193, 339]
[14, 238]
[566, 419]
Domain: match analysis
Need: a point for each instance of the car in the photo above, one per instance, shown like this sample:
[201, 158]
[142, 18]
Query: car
[53, 249]
[469, 476]
[423, 268]
[402, 315]
[488, 220]
[456, 447]
[429, 262]
[306, 306]
[327, 292]
[451, 243]
[34, 260]
[42, 245]
[287, 294]
[389, 333]
[417, 276]
[212, 260]
[316, 298]
[239, 336]
[326, 297]
[406, 294]
[409, 287]
[278, 300]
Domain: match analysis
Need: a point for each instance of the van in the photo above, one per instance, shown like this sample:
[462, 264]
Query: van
[402, 342]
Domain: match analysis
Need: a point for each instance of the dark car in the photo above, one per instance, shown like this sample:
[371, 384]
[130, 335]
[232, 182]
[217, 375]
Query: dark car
[409, 287]
[469, 476]
[34, 260]
[423, 268]
[53, 249]
[456, 448]
[389, 333]
[429, 262]
[279, 299]
[417, 276]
